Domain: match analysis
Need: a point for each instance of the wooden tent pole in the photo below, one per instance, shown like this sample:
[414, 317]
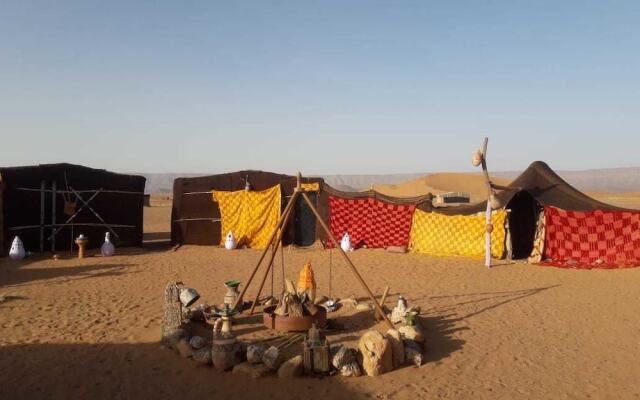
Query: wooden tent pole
[285, 216]
[347, 259]
[489, 226]
[42, 200]
[262, 256]
[53, 215]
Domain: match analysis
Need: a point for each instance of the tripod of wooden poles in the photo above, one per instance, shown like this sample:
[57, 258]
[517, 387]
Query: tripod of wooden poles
[275, 241]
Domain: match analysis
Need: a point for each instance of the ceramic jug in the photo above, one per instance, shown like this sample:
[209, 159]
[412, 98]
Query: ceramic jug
[17, 251]
[107, 249]
[230, 242]
[345, 244]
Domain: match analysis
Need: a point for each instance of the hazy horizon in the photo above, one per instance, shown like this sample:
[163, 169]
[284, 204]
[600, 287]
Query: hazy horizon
[327, 88]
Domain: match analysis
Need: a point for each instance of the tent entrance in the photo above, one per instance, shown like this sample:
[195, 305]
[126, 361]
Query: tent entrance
[523, 223]
[305, 221]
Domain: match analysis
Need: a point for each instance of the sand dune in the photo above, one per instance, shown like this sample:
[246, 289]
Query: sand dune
[472, 184]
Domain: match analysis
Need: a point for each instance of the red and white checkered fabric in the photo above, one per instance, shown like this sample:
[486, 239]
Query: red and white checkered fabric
[370, 222]
[594, 239]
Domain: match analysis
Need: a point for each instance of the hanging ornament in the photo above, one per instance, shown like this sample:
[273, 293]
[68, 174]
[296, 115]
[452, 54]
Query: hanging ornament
[17, 251]
[477, 158]
[107, 249]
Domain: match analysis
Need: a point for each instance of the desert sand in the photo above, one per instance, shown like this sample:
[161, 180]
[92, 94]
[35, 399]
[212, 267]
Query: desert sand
[90, 328]
[473, 184]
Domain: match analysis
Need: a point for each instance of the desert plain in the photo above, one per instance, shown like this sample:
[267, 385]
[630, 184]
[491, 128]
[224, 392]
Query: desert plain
[90, 328]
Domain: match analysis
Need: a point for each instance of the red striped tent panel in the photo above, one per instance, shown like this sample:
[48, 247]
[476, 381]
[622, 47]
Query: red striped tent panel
[370, 222]
[594, 239]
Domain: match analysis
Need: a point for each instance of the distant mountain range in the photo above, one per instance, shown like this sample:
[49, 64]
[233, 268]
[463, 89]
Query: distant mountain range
[593, 180]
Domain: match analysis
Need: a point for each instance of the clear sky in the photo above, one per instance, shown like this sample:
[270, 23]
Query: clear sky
[319, 86]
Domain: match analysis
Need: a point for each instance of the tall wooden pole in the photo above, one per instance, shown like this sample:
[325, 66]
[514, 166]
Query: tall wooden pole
[488, 224]
[42, 200]
[286, 217]
[263, 255]
[53, 215]
[347, 259]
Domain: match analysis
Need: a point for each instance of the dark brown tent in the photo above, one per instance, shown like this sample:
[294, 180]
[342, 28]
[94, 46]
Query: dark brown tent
[195, 217]
[47, 205]
[536, 187]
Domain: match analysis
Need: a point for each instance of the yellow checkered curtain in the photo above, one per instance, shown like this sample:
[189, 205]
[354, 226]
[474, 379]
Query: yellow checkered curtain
[458, 235]
[251, 216]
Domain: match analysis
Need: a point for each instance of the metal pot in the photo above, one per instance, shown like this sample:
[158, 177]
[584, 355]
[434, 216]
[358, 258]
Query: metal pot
[188, 296]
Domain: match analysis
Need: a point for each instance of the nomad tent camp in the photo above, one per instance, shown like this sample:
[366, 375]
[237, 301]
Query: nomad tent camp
[588, 239]
[196, 213]
[48, 205]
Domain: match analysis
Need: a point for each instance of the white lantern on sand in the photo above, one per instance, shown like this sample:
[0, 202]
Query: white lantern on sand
[17, 251]
[107, 249]
[345, 244]
[230, 241]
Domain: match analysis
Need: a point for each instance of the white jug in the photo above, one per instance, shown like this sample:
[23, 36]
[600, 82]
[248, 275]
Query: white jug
[107, 249]
[345, 244]
[230, 242]
[17, 251]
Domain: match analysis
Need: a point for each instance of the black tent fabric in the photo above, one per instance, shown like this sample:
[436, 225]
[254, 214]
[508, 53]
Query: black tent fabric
[33, 214]
[534, 188]
[195, 217]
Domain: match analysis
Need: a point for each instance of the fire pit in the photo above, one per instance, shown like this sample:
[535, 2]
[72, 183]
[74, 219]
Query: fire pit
[291, 323]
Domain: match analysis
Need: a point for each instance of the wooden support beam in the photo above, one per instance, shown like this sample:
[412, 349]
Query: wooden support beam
[286, 217]
[53, 214]
[42, 200]
[263, 255]
[347, 259]
[382, 301]
[489, 227]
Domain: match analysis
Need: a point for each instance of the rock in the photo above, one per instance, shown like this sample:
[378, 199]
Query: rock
[412, 333]
[397, 347]
[255, 353]
[172, 336]
[413, 352]
[343, 356]
[202, 356]
[350, 302]
[197, 342]
[253, 370]
[272, 358]
[376, 353]
[224, 356]
[184, 348]
[351, 369]
[291, 368]
[364, 307]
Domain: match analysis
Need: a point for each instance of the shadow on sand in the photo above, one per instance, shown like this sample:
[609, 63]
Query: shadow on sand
[16, 276]
[142, 371]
